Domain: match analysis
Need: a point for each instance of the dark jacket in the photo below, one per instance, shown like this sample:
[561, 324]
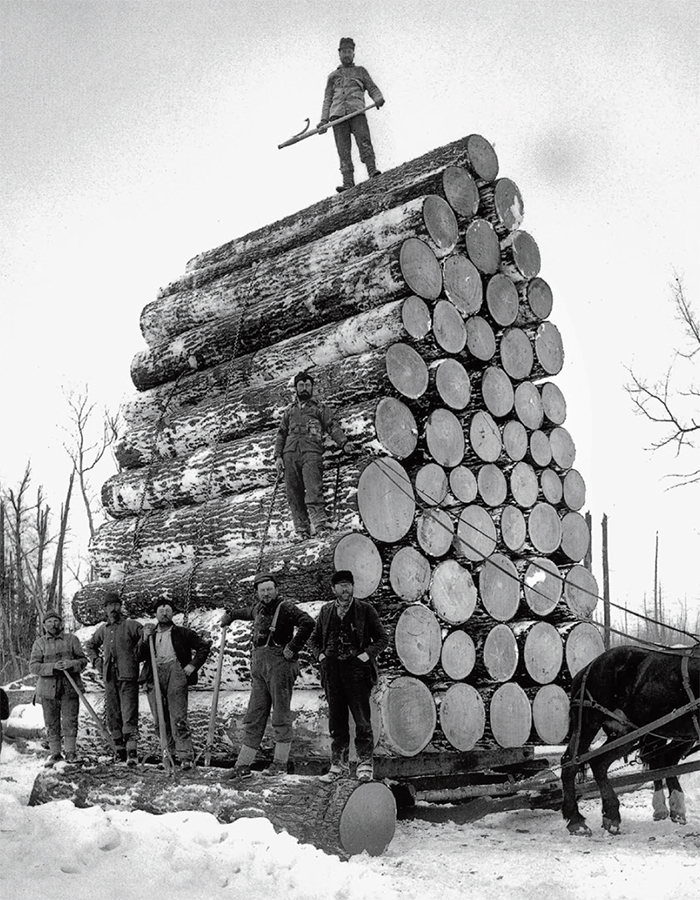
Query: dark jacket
[345, 92]
[46, 652]
[116, 645]
[368, 628]
[292, 628]
[190, 648]
[302, 428]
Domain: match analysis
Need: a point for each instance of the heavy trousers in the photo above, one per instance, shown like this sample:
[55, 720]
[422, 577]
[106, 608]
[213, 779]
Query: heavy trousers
[173, 689]
[122, 711]
[359, 127]
[61, 717]
[303, 478]
[272, 681]
[348, 684]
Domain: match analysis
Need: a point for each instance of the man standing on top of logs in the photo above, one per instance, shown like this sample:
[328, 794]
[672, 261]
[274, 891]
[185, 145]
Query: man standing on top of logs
[345, 92]
[113, 652]
[347, 639]
[280, 630]
[52, 655]
[299, 455]
[180, 653]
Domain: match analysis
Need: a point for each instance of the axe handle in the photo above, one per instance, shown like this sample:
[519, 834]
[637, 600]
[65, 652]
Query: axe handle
[331, 124]
[89, 707]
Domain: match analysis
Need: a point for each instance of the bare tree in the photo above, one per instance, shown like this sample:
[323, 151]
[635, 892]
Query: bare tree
[673, 402]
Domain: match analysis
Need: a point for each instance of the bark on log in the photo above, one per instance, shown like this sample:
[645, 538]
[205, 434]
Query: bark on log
[582, 644]
[476, 534]
[574, 490]
[386, 501]
[458, 655]
[434, 532]
[541, 650]
[452, 383]
[499, 653]
[575, 536]
[409, 574]
[581, 591]
[529, 407]
[553, 403]
[462, 284]
[543, 585]
[343, 818]
[513, 528]
[444, 437]
[549, 348]
[481, 341]
[510, 715]
[407, 713]
[452, 592]
[515, 441]
[502, 300]
[497, 391]
[499, 587]
[502, 204]
[431, 484]
[483, 248]
[418, 639]
[521, 256]
[535, 301]
[462, 716]
[550, 714]
[448, 327]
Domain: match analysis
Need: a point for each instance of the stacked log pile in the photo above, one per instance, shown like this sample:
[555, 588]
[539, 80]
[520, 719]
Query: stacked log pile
[416, 300]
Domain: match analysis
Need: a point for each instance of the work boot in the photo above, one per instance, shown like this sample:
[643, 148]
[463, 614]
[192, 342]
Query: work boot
[239, 773]
[276, 767]
[373, 171]
[120, 755]
[365, 770]
[187, 765]
[348, 182]
[131, 757]
[52, 760]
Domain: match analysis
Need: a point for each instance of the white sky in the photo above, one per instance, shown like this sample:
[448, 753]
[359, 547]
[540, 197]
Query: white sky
[136, 135]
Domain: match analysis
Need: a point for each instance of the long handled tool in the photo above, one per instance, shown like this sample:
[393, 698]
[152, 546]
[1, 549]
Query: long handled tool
[107, 737]
[303, 135]
[215, 698]
[168, 761]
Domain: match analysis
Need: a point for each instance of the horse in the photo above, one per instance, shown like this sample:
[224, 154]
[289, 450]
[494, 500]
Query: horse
[621, 691]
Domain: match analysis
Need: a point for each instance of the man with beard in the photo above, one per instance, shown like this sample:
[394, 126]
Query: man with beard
[299, 455]
[52, 655]
[345, 93]
[280, 630]
[113, 650]
[347, 639]
[180, 653]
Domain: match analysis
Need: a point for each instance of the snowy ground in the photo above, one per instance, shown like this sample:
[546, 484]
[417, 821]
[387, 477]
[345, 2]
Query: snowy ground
[59, 851]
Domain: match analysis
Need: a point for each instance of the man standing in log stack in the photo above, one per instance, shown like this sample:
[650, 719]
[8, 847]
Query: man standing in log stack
[180, 653]
[299, 455]
[280, 630]
[113, 652]
[345, 93]
[347, 639]
[52, 655]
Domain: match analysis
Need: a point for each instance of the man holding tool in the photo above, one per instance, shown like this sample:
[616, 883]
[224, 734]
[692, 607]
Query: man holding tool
[344, 96]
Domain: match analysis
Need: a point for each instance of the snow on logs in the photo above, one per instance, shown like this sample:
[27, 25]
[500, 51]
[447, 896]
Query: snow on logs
[417, 302]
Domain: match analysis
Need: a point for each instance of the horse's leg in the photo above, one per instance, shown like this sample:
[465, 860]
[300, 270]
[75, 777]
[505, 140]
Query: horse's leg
[658, 803]
[676, 800]
[578, 744]
[611, 805]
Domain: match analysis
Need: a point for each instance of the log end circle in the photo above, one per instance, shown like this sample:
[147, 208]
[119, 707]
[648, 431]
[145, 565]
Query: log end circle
[510, 715]
[368, 820]
[396, 427]
[440, 223]
[416, 317]
[485, 437]
[583, 644]
[461, 191]
[406, 370]
[453, 384]
[575, 536]
[463, 284]
[497, 391]
[482, 159]
[463, 484]
[544, 528]
[500, 653]
[550, 714]
[448, 327]
[434, 532]
[418, 639]
[452, 592]
[462, 716]
[476, 534]
[431, 484]
[458, 655]
[543, 585]
[502, 300]
[549, 348]
[517, 355]
[408, 715]
[358, 554]
[513, 528]
[420, 268]
[483, 247]
[499, 587]
[581, 591]
[444, 437]
[409, 574]
[385, 500]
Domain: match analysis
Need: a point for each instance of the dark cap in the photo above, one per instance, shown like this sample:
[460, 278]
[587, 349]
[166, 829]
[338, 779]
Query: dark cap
[111, 598]
[342, 576]
[303, 376]
[162, 602]
[264, 576]
[52, 614]
[346, 42]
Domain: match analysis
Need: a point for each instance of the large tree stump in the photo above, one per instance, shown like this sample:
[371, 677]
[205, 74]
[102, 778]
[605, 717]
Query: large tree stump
[344, 817]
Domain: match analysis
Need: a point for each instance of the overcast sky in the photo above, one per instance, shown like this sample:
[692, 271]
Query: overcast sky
[135, 135]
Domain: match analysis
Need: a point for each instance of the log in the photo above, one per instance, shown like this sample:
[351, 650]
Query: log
[492, 485]
[395, 427]
[563, 447]
[551, 486]
[440, 224]
[420, 268]
[482, 159]
[499, 587]
[358, 554]
[581, 591]
[550, 714]
[502, 300]
[516, 354]
[463, 484]
[462, 284]
[458, 655]
[406, 370]
[483, 248]
[543, 585]
[510, 715]
[541, 650]
[444, 437]
[462, 716]
[407, 713]
[416, 317]
[575, 536]
[513, 528]
[418, 639]
[524, 487]
[544, 528]
[536, 301]
[540, 449]
[409, 574]
[434, 532]
[549, 348]
[385, 500]
[497, 391]
[343, 818]
[529, 407]
[448, 327]
[452, 592]
[574, 490]
[484, 437]
[431, 484]
[476, 534]
[502, 204]
[521, 256]
[515, 440]
[582, 644]
[500, 653]
[452, 383]
[481, 341]
[461, 191]
[553, 403]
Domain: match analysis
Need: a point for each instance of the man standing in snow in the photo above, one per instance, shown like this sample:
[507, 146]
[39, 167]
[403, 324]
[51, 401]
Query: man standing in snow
[54, 654]
[299, 455]
[280, 630]
[180, 653]
[347, 639]
[113, 651]
[345, 93]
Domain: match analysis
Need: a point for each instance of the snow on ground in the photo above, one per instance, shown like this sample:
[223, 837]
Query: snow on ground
[59, 851]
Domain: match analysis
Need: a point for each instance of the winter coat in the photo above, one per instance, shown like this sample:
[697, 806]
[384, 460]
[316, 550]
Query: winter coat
[46, 651]
[302, 428]
[292, 628]
[345, 92]
[116, 646]
[367, 628]
[190, 649]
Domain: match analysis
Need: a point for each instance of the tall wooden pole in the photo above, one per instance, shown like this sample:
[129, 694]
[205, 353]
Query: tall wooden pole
[656, 586]
[588, 558]
[606, 585]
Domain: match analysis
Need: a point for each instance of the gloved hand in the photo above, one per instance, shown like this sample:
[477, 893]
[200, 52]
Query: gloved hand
[226, 620]
[287, 653]
[349, 447]
[60, 665]
[322, 126]
[148, 630]
[189, 669]
[380, 103]
[279, 465]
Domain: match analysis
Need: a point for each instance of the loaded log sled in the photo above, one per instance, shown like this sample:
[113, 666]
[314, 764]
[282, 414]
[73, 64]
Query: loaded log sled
[416, 302]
